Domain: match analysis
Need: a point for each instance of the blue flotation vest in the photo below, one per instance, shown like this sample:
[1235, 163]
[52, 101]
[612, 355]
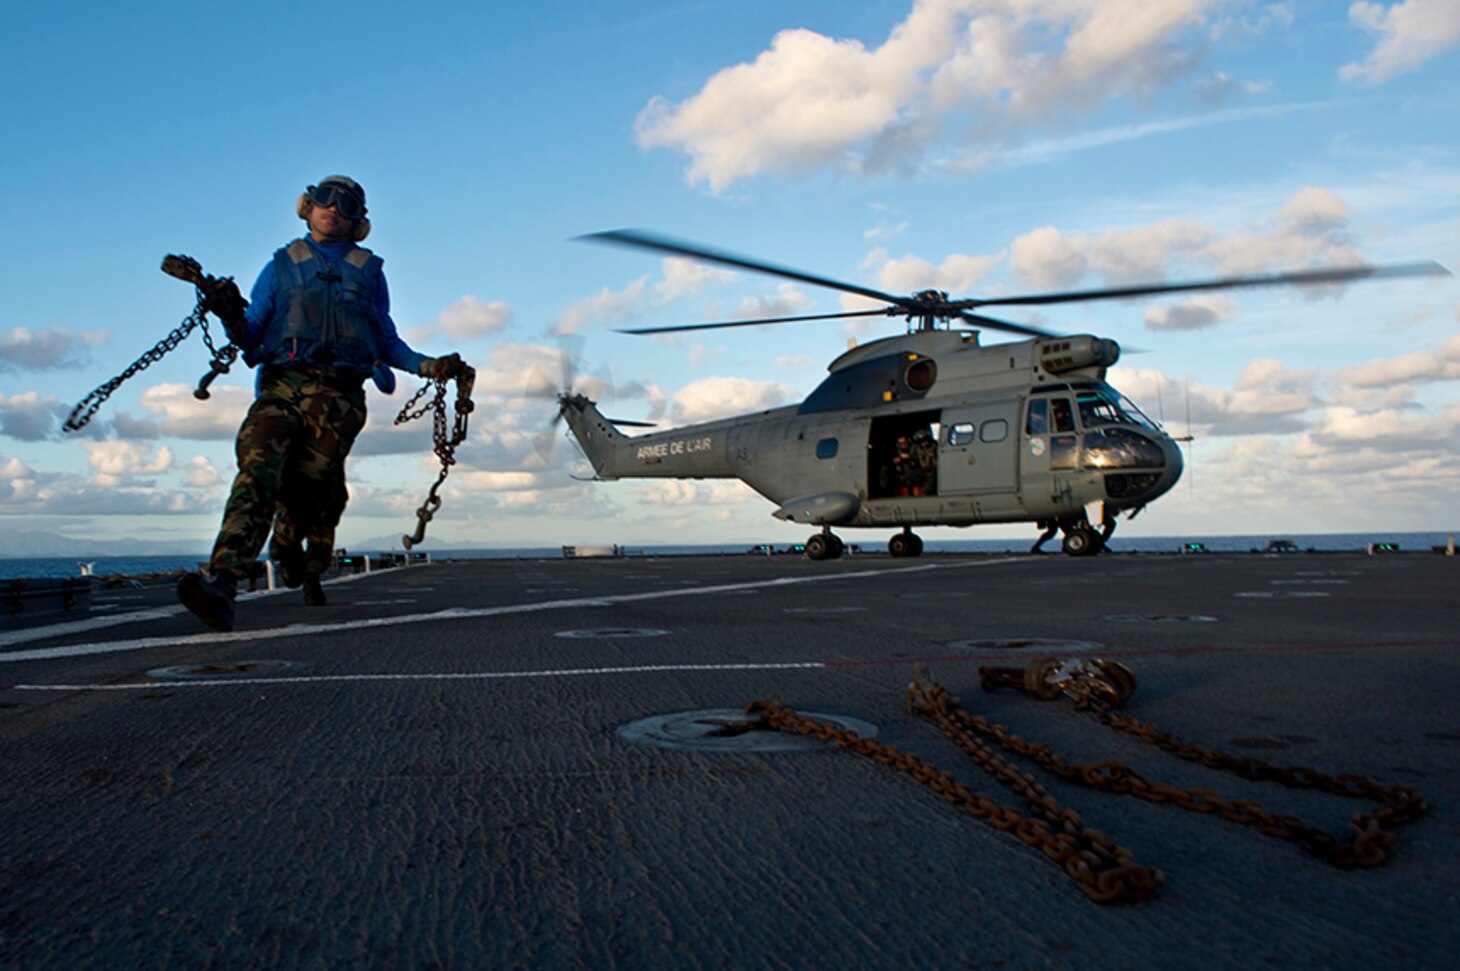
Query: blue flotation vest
[324, 311]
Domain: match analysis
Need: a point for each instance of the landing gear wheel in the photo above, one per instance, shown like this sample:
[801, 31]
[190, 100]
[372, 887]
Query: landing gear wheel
[905, 543]
[1081, 541]
[824, 546]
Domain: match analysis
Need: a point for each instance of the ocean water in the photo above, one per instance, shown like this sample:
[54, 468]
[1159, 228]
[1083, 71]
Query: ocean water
[876, 542]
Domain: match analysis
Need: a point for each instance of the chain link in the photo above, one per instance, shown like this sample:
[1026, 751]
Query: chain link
[1104, 871]
[184, 268]
[445, 438]
[87, 408]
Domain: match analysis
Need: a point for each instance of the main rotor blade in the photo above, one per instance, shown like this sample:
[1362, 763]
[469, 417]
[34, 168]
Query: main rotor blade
[764, 320]
[663, 244]
[996, 324]
[1334, 275]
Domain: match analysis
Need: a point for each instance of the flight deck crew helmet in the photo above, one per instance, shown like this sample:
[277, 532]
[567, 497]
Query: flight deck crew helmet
[345, 194]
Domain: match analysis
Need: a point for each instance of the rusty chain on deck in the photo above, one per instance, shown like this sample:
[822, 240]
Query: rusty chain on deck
[1104, 871]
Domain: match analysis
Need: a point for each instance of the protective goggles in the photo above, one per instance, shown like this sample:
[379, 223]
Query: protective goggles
[346, 203]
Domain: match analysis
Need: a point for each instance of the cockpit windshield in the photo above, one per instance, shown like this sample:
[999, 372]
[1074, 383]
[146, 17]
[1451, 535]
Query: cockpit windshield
[1103, 405]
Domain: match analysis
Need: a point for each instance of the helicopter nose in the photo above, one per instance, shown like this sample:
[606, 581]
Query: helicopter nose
[1174, 464]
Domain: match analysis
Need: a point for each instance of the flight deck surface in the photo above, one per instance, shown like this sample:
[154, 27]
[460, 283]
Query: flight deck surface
[439, 768]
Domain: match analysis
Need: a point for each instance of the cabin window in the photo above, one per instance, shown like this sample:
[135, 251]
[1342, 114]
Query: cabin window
[826, 448]
[1061, 418]
[960, 434]
[994, 431]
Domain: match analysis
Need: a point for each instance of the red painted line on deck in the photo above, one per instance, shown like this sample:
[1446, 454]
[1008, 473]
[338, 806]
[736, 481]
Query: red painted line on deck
[1149, 652]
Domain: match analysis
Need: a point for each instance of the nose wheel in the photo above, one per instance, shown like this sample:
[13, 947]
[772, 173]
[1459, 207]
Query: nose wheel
[1082, 539]
[905, 543]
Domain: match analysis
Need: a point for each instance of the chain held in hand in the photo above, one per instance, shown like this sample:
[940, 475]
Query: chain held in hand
[445, 441]
[184, 268]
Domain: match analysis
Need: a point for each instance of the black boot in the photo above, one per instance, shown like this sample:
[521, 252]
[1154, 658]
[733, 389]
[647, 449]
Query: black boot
[291, 564]
[313, 592]
[210, 600]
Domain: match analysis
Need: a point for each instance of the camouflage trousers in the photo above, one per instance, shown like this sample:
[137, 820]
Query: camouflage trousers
[291, 453]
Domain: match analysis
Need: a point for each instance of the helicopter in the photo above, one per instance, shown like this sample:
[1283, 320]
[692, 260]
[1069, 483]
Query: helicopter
[931, 427]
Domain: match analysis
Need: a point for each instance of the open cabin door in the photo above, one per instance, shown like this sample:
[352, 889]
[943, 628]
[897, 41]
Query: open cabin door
[902, 455]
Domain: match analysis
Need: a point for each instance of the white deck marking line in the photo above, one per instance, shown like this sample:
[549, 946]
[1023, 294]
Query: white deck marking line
[136, 616]
[452, 676]
[459, 613]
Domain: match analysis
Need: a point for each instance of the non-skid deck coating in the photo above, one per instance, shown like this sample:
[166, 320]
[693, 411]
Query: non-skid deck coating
[428, 771]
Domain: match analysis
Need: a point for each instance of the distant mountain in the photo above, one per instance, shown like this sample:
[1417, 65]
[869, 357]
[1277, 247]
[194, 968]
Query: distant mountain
[382, 544]
[26, 543]
[29, 543]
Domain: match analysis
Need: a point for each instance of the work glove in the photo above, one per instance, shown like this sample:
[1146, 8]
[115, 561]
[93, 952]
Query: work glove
[442, 368]
[222, 299]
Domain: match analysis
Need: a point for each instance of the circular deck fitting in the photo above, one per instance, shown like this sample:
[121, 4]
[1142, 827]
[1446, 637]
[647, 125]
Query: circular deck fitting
[1032, 644]
[730, 730]
[1159, 618]
[224, 669]
[823, 610]
[611, 632]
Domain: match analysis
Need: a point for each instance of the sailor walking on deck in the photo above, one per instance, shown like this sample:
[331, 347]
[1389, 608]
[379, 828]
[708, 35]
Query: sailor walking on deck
[317, 325]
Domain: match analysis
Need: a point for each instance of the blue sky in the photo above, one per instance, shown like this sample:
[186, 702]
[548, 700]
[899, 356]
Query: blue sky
[986, 147]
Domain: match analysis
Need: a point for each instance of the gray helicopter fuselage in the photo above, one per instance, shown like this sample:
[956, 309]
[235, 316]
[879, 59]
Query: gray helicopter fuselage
[928, 428]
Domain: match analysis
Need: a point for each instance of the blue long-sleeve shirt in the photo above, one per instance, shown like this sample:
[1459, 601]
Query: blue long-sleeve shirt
[393, 349]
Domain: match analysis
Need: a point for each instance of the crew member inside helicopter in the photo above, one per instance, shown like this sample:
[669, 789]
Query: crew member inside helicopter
[911, 464]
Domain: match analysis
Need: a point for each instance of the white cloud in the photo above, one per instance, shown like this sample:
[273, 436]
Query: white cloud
[1266, 398]
[1410, 32]
[1193, 313]
[23, 349]
[29, 417]
[1441, 363]
[679, 278]
[608, 306]
[956, 275]
[878, 233]
[115, 463]
[469, 318]
[482, 481]
[810, 100]
[1309, 229]
[721, 397]
[786, 302]
[700, 495]
[184, 416]
[682, 277]
[202, 473]
[17, 482]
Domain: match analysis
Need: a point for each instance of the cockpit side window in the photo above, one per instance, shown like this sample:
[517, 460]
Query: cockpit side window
[1037, 421]
[1096, 410]
[1103, 405]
